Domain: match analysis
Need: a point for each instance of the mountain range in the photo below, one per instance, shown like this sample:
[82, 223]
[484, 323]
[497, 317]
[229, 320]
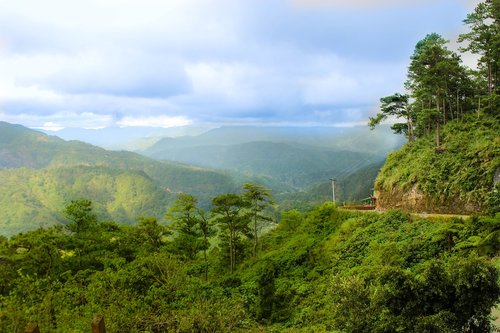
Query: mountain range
[41, 173]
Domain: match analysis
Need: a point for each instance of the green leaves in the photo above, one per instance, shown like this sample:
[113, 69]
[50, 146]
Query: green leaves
[398, 106]
[458, 180]
[80, 215]
[324, 270]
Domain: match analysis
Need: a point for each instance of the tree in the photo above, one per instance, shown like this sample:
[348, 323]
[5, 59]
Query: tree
[258, 200]
[80, 214]
[192, 226]
[228, 212]
[396, 105]
[151, 232]
[432, 70]
[484, 40]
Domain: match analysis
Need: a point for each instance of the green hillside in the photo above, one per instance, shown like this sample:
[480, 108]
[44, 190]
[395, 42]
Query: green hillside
[39, 174]
[33, 198]
[322, 271]
[458, 179]
[42, 173]
[22, 147]
[450, 116]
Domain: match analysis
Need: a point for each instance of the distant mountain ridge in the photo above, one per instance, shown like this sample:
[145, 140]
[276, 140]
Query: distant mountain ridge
[296, 165]
[39, 174]
[296, 156]
[357, 138]
[126, 138]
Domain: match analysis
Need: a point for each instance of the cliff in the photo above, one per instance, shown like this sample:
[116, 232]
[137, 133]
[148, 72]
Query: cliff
[458, 178]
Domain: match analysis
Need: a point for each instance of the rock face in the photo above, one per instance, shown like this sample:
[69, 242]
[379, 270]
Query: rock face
[414, 200]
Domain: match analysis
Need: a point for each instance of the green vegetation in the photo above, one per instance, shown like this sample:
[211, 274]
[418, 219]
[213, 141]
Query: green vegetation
[224, 264]
[39, 174]
[350, 188]
[457, 180]
[22, 147]
[456, 108]
[33, 198]
[324, 270]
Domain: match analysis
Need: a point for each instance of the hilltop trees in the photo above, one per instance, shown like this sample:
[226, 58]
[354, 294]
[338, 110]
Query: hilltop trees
[484, 40]
[151, 233]
[433, 69]
[228, 213]
[396, 105]
[234, 216]
[192, 228]
[190, 225]
[440, 88]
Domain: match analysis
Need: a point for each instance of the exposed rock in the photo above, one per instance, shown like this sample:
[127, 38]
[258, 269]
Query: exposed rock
[415, 200]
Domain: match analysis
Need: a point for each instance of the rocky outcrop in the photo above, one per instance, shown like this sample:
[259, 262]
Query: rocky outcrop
[414, 200]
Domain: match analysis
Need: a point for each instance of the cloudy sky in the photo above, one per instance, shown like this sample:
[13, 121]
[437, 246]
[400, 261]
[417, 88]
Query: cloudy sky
[99, 63]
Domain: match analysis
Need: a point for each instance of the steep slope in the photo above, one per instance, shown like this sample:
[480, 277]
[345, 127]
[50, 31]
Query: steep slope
[456, 179]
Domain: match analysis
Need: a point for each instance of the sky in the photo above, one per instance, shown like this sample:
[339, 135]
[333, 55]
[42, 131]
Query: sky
[166, 63]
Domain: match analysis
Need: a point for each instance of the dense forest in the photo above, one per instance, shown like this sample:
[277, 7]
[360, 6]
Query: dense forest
[243, 263]
[325, 270]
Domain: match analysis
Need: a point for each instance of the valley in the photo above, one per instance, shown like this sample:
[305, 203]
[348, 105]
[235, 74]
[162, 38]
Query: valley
[43, 173]
[206, 165]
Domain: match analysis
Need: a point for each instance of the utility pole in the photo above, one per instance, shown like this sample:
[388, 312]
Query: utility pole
[333, 189]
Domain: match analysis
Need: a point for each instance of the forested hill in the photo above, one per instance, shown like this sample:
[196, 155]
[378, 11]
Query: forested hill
[22, 147]
[459, 178]
[451, 118]
[39, 174]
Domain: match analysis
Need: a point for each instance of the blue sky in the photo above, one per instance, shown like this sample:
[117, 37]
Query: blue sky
[101, 63]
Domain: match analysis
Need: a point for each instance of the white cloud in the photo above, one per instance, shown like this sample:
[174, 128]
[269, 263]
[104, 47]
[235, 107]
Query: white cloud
[51, 126]
[154, 121]
[229, 83]
[87, 120]
[327, 89]
[179, 61]
[10, 91]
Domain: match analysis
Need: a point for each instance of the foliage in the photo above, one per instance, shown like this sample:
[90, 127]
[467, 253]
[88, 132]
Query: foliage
[484, 40]
[459, 179]
[324, 270]
[459, 108]
[228, 213]
[257, 198]
[396, 105]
